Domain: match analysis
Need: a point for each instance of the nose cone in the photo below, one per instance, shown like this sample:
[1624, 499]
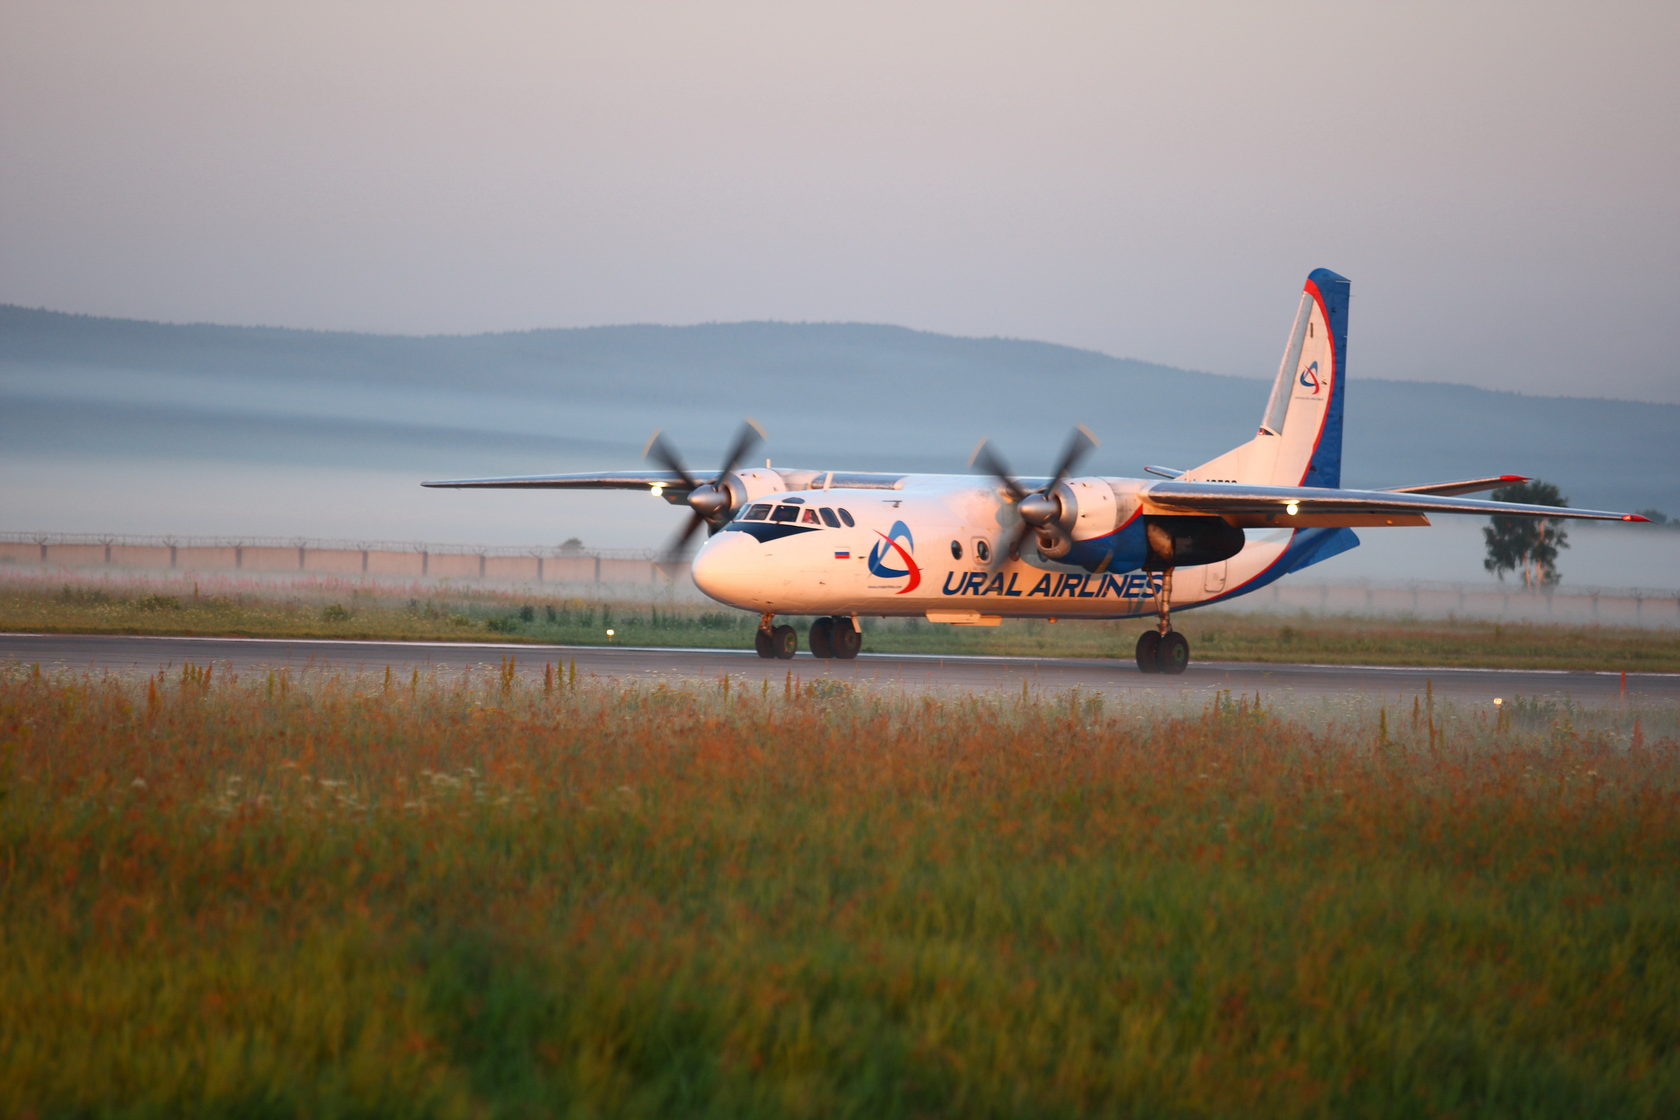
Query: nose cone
[727, 569]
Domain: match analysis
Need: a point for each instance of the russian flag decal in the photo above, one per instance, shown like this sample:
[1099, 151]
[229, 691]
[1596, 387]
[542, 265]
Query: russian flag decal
[843, 555]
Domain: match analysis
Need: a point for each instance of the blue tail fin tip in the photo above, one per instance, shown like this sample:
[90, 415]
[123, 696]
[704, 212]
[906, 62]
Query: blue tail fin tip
[1325, 466]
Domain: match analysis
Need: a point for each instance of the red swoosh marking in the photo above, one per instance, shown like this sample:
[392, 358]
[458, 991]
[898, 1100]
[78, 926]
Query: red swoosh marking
[909, 564]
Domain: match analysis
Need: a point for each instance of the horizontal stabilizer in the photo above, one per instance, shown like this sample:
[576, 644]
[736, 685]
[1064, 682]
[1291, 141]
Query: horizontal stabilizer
[1468, 486]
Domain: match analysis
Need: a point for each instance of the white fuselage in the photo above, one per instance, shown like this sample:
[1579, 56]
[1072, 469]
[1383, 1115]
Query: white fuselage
[930, 553]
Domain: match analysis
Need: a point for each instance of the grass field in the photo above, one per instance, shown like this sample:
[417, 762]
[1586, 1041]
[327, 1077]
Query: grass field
[509, 895]
[335, 608]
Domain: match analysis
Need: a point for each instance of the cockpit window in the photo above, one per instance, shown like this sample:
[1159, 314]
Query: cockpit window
[809, 517]
[828, 517]
[846, 516]
[756, 512]
[785, 513]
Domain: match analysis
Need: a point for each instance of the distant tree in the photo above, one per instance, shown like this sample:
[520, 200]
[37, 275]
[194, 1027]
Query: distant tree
[571, 544]
[1528, 545]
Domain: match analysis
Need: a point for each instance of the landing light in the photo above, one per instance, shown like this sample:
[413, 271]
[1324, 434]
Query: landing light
[657, 489]
[1292, 508]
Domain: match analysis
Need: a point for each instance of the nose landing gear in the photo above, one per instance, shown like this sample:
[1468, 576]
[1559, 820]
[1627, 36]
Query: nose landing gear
[1163, 649]
[775, 642]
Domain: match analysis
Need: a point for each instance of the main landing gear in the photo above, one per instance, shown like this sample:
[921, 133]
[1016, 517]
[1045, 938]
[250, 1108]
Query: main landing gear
[1163, 649]
[834, 636]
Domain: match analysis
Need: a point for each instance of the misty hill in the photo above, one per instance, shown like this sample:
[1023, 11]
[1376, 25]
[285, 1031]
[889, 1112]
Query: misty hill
[80, 388]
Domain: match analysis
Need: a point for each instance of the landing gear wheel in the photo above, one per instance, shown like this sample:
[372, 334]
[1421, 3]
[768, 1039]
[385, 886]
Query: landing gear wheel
[1149, 652]
[784, 640]
[762, 643]
[821, 638]
[846, 639]
[1174, 652]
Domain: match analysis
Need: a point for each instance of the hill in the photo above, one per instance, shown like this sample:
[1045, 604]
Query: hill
[250, 400]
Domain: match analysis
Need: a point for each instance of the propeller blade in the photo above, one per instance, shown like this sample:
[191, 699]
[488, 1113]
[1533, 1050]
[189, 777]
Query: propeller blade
[1080, 444]
[749, 437]
[676, 553]
[1005, 549]
[1013, 552]
[992, 463]
[661, 452]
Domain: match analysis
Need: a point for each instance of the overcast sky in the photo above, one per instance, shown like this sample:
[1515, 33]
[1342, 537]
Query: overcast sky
[1499, 179]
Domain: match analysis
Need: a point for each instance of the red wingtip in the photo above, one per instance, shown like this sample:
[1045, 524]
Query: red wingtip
[1634, 517]
[1513, 478]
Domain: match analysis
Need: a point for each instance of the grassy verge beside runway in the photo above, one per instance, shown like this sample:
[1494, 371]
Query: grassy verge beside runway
[333, 608]
[502, 894]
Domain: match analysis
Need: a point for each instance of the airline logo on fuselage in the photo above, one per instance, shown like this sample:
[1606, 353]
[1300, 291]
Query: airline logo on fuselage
[896, 545]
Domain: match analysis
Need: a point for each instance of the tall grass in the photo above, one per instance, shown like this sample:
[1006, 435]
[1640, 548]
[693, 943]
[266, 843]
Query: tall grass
[499, 894]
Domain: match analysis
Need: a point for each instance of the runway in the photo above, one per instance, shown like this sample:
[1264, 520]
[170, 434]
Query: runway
[891, 671]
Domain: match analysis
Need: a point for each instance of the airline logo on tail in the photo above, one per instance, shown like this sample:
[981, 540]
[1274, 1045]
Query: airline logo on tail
[1309, 378]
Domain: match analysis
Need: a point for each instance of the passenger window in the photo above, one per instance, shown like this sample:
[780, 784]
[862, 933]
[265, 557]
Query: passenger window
[956, 550]
[757, 512]
[809, 517]
[828, 517]
[785, 513]
[846, 516]
[982, 551]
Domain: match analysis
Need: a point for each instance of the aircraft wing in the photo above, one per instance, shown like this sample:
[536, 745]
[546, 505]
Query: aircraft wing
[1258, 507]
[618, 480]
[668, 483]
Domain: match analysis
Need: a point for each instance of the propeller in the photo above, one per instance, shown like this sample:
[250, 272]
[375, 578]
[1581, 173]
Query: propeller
[710, 502]
[1040, 511]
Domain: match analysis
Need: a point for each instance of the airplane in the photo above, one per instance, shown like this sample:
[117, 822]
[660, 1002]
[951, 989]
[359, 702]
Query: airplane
[976, 549]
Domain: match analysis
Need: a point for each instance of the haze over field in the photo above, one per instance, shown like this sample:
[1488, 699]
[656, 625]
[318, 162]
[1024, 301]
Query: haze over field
[1130, 184]
[120, 426]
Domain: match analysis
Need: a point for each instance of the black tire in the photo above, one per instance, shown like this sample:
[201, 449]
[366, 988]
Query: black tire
[784, 640]
[1174, 652]
[821, 638]
[846, 640]
[762, 643]
[1149, 652]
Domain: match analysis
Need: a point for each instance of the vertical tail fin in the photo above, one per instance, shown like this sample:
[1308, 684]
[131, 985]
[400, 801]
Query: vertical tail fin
[1300, 437]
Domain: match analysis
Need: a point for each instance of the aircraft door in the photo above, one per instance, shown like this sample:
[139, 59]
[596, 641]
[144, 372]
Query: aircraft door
[1214, 578]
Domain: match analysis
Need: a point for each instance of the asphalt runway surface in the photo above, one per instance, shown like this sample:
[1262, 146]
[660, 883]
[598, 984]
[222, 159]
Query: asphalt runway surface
[890, 671]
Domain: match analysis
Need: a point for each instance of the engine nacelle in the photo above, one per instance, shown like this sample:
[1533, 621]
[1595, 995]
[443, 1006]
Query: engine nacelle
[1083, 508]
[750, 485]
[1178, 542]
